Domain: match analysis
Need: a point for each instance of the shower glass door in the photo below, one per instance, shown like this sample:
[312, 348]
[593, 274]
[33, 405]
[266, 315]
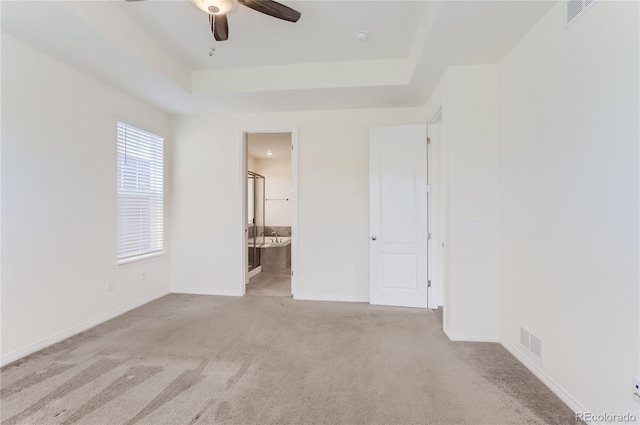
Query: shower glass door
[255, 214]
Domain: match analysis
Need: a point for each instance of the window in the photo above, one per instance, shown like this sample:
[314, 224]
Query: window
[140, 193]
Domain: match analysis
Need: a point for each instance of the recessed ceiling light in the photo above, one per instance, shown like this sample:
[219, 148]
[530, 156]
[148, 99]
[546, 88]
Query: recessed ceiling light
[362, 36]
[269, 153]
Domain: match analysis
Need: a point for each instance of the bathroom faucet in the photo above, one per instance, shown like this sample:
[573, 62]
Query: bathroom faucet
[274, 233]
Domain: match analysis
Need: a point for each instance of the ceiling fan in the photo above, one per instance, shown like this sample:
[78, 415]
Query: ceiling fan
[218, 9]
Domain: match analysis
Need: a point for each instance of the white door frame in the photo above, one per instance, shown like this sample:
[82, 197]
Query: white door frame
[437, 181]
[244, 131]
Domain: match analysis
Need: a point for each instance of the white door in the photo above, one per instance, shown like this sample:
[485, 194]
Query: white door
[398, 215]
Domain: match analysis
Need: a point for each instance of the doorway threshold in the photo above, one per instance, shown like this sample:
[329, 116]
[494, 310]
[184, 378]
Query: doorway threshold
[253, 272]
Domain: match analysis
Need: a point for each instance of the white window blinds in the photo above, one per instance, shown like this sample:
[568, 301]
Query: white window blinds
[140, 193]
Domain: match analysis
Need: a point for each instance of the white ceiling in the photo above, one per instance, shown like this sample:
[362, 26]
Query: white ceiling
[324, 33]
[279, 144]
[158, 50]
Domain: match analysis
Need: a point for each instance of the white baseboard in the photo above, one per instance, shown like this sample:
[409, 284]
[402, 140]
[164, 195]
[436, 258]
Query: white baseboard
[207, 291]
[45, 342]
[446, 331]
[556, 388]
[469, 338]
[339, 298]
[472, 338]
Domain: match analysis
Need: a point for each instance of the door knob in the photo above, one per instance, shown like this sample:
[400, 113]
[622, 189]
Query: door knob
[374, 237]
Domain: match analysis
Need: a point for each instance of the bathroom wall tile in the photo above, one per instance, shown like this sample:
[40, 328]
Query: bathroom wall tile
[280, 230]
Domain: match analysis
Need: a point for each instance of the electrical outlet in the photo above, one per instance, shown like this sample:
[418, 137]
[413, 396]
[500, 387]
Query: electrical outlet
[109, 285]
[636, 390]
[143, 276]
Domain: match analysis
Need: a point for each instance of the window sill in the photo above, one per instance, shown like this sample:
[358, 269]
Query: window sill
[139, 258]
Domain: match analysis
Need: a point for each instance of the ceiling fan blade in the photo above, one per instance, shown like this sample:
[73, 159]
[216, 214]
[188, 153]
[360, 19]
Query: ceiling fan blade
[272, 8]
[219, 27]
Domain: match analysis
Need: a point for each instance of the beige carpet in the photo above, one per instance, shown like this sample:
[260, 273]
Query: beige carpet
[186, 359]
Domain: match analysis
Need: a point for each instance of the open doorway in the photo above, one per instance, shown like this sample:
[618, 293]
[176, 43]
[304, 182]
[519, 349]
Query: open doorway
[269, 213]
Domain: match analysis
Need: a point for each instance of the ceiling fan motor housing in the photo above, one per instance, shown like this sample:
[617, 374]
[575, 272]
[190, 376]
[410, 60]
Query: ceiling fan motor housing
[215, 7]
[218, 9]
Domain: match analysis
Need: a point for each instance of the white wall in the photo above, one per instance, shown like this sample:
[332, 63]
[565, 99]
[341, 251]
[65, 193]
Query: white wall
[470, 141]
[277, 173]
[59, 226]
[569, 183]
[333, 212]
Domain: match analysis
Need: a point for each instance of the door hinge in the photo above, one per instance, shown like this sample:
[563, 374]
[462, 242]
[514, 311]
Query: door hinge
[291, 147]
[428, 284]
[429, 236]
[291, 272]
[428, 140]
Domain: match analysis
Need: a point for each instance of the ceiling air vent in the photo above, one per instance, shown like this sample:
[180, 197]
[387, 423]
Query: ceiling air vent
[576, 8]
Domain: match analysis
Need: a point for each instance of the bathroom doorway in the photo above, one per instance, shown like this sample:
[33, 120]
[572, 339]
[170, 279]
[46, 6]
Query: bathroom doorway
[269, 211]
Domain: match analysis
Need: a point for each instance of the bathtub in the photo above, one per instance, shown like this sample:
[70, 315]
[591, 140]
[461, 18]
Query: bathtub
[275, 253]
[270, 242]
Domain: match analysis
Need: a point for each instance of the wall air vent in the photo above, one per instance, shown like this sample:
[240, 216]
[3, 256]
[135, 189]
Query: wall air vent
[576, 8]
[536, 347]
[524, 337]
[532, 343]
